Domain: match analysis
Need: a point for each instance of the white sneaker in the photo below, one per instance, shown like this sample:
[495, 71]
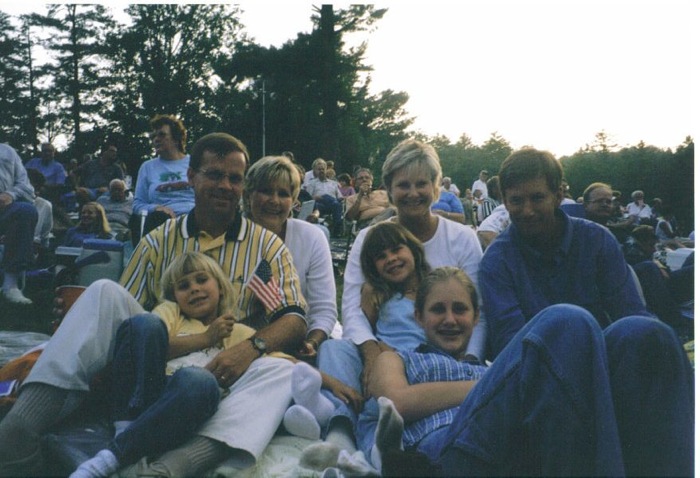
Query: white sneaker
[15, 296]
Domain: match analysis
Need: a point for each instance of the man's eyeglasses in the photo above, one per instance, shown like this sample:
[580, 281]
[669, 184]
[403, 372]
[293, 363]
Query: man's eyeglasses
[217, 176]
[607, 202]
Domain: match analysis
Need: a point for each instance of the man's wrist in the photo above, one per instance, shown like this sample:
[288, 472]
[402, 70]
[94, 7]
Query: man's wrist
[258, 344]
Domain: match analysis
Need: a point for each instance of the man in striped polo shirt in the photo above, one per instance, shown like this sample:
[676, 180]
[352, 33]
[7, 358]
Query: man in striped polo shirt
[260, 387]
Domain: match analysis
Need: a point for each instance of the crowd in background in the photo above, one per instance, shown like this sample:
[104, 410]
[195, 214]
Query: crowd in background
[529, 261]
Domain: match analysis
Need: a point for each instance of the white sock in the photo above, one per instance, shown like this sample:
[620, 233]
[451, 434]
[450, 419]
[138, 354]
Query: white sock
[355, 464]
[306, 391]
[319, 456]
[300, 422]
[102, 464]
[388, 435]
[120, 426]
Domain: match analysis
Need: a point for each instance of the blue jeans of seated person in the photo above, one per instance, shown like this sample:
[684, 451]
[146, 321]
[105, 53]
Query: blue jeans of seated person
[166, 411]
[565, 398]
[341, 359]
[17, 224]
[330, 205]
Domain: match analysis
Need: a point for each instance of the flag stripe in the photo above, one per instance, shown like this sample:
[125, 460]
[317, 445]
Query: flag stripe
[265, 286]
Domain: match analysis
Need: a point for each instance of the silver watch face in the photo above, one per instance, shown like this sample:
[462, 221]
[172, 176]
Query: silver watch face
[259, 344]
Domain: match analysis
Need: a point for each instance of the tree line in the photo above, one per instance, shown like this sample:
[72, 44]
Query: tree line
[105, 77]
[663, 173]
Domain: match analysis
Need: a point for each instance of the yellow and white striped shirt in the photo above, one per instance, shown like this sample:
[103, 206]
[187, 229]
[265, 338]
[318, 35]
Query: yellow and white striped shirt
[238, 252]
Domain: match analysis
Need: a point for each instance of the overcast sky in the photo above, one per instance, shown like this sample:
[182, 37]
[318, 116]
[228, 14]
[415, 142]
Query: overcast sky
[550, 74]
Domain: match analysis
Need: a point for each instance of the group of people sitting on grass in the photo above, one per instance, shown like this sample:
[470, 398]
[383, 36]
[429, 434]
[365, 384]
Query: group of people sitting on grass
[536, 356]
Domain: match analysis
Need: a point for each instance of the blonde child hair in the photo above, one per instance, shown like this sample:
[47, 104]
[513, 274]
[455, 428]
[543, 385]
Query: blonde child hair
[190, 262]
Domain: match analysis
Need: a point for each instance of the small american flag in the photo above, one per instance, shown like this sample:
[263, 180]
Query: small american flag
[265, 286]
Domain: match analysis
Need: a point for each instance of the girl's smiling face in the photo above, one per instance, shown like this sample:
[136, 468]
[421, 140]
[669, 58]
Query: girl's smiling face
[198, 294]
[395, 264]
[448, 317]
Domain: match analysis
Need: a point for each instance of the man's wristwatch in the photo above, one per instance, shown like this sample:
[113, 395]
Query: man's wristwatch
[259, 345]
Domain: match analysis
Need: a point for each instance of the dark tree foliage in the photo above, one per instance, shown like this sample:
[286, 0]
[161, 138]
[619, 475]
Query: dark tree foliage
[163, 64]
[464, 160]
[311, 95]
[74, 101]
[17, 121]
[659, 173]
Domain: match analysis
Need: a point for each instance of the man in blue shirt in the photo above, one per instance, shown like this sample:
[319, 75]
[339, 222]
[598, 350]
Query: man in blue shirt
[546, 257]
[586, 382]
[53, 171]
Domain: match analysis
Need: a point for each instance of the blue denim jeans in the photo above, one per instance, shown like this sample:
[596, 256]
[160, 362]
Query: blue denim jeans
[566, 398]
[17, 224]
[341, 359]
[330, 205]
[166, 412]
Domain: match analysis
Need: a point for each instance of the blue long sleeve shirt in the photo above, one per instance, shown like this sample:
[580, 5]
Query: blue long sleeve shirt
[587, 269]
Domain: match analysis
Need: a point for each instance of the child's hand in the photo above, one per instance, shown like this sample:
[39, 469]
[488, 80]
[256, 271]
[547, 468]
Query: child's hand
[308, 350]
[347, 394]
[220, 329]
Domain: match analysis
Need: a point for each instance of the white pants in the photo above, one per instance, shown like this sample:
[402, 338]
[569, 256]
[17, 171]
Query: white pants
[246, 419]
[84, 342]
[249, 416]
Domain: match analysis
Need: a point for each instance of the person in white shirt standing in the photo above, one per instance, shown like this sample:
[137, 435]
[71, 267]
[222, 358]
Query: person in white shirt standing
[480, 184]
